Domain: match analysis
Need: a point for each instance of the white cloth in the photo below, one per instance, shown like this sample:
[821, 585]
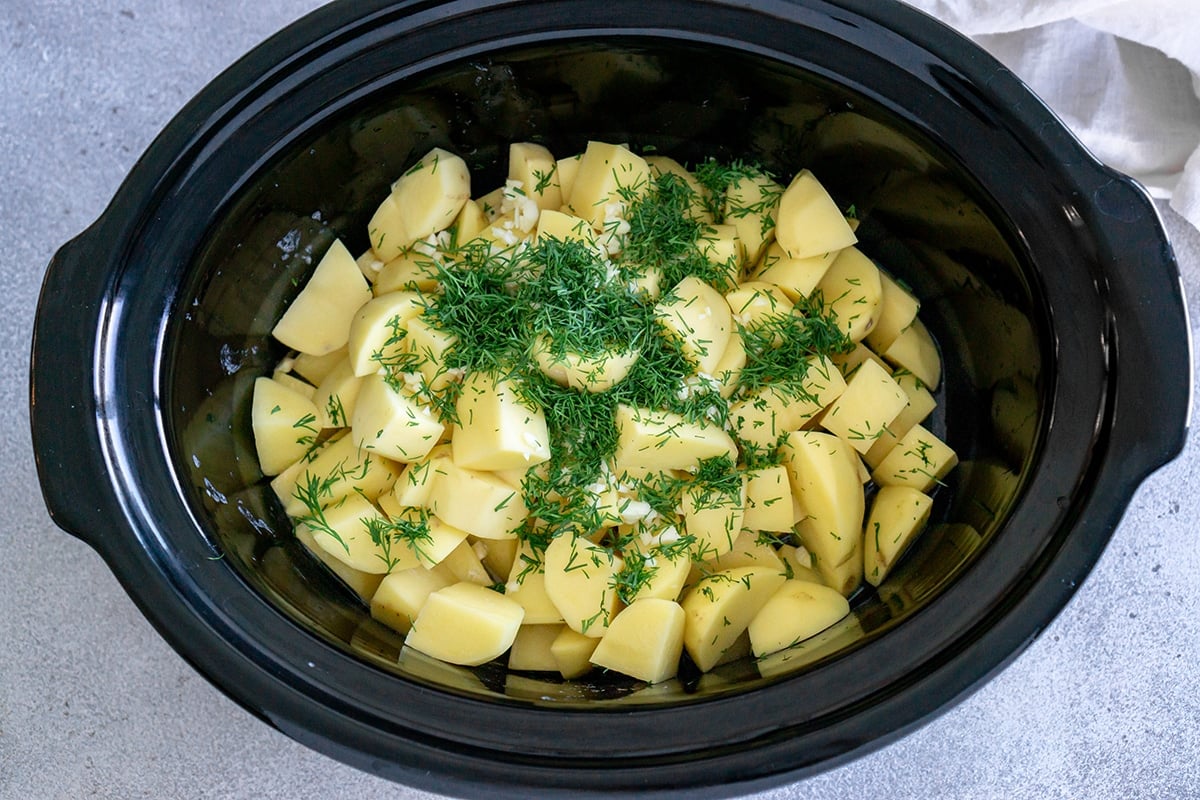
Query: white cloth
[1124, 75]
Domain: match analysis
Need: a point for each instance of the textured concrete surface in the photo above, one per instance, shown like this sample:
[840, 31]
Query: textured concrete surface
[94, 704]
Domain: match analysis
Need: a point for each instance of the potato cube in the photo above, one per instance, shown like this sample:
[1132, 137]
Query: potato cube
[378, 329]
[768, 500]
[527, 586]
[478, 502]
[697, 317]
[765, 414]
[796, 277]
[336, 396]
[662, 440]
[797, 611]
[531, 649]
[852, 291]
[586, 373]
[534, 166]
[284, 424]
[608, 175]
[465, 624]
[714, 517]
[425, 200]
[572, 652]
[337, 469]
[318, 320]
[752, 206]
[497, 429]
[915, 351]
[464, 563]
[898, 309]
[393, 423]
[401, 594]
[348, 531]
[411, 271]
[364, 584]
[720, 607]
[919, 460]
[898, 515]
[810, 222]
[920, 405]
[862, 412]
[314, 368]
[644, 640]
[579, 581]
[430, 345]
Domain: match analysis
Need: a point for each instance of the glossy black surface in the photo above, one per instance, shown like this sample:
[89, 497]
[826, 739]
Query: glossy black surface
[1040, 271]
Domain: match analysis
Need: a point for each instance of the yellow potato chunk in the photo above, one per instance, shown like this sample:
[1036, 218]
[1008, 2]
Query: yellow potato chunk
[758, 303]
[336, 395]
[861, 414]
[553, 224]
[720, 607]
[401, 595]
[284, 422]
[531, 649]
[337, 469]
[915, 351]
[714, 517]
[898, 309]
[662, 440]
[752, 206]
[426, 199]
[430, 344]
[478, 502]
[608, 175]
[378, 329]
[579, 581]
[919, 406]
[534, 166]
[572, 652]
[415, 483]
[469, 223]
[411, 271]
[314, 368]
[798, 611]
[698, 318]
[810, 223]
[824, 477]
[364, 584]
[644, 640]
[796, 277]
[668, 567]
[898, 515]
[393, 423]
[497, 430]
[747, 551]
[765, 414]
[919, 460]
[297, 385]
[851, 289]
[585, 373]
[768, 499]
[465, 624]
[527, 586]
[697, 208]
[465, 564]
[797, 563]
[729, 369]
[343, 530]
[720, 245]
[318, 320]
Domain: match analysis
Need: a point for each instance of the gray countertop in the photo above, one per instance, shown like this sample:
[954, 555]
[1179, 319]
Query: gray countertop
[94, 704]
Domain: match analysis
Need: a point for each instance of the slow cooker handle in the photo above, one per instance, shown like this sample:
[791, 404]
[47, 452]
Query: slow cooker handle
[63, 410]
[1153, 370]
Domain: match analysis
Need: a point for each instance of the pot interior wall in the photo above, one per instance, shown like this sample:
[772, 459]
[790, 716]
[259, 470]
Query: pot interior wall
[922, 218]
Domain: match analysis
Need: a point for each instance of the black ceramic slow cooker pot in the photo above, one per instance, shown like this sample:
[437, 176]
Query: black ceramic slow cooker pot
[1045, 277]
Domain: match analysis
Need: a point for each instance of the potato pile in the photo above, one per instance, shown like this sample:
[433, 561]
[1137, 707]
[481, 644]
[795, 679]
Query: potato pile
[612, 411]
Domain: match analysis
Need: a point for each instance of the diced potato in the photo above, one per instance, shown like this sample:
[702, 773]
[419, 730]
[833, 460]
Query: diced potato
[490, 204]
[758, 303]
[752, 206]
[339, 468]
[336, 396]
[919, 460]
[318, 320]
[714, 517]
[364, 584]
[719, 244]
[393, 423]
[531, 649]
[572, 652]
[290, 381]
[464, 563]
[797, 563]
[810, 223]
[697, 205]
[898, 309]
[534, 166]
[668, 567]
[527, 586]
[369, 265]
[662, 440]
[851, 290]
[415, 483]
[498, 555]
[579, 581]
[798, 611]
[478, 502]
[411, 271]
[584, 373]
[344, 530]
[719, 609]
[425, 200]
[767, 413]
[430, 344]
[284, 424]
[796, 277]
[469, 223]
[915, 351]
[849, 362]
[401, 595]
[729, 369]
[698, 318]
[607, 175]
[768, 500]
[644, 640]
[378, 329]
[898, 515]
[554, 224]
[920, 405]
[465, 624]
[825, 480]
[747, 551]
[496, 428]
[861, 414]
[314, 368]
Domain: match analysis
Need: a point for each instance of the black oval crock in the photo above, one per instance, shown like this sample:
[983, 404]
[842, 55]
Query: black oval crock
[1046, 278]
